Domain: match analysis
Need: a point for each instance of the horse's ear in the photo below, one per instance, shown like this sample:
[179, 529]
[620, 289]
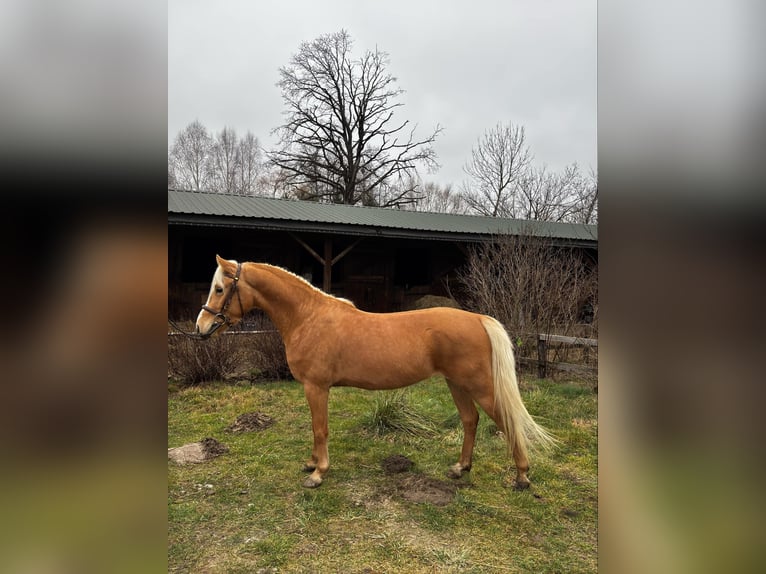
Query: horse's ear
[225, 264]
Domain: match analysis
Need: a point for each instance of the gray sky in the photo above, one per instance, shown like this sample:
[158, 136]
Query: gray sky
[464, 65]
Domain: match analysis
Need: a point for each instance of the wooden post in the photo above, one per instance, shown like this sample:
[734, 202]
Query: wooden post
[327, 285]
[542, 357]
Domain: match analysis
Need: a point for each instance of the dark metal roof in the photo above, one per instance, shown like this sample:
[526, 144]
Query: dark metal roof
[218, 209]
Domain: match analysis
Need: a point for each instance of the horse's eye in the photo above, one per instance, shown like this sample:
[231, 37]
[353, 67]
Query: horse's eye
[219, 290]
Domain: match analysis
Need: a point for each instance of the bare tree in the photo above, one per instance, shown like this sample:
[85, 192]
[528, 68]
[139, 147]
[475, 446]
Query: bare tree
[340, 139]
[544, 195]
[499, 160]
[587, 200]
[505, 184]
[403, 191]
[171, 173]
[566, 196]
[190, 156]
[249, 165]
[441, 199]
[272, 182]
[223, 161]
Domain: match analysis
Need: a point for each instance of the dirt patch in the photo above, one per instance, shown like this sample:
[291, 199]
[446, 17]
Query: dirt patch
[196, 452]
[418, 488]
[250, 422]
[396, 463]
[403, 485]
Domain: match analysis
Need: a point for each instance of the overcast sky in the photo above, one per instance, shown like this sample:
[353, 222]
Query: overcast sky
[464, 65]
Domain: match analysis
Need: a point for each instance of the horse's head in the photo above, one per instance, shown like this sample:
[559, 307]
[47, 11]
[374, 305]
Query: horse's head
[224, 306]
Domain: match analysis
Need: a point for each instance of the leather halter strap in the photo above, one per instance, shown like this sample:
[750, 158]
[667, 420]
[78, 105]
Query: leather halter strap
[220, 316]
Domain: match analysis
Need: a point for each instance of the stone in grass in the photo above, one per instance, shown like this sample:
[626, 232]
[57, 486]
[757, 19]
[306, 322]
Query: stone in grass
[196, 452]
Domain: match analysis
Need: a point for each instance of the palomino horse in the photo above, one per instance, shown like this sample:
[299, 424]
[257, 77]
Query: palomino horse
[329, 342]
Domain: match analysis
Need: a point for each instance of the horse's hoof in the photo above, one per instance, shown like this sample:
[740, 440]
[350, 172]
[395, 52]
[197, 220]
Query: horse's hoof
[456, 471]
[520, 485]
[309, 468]
[312, 482]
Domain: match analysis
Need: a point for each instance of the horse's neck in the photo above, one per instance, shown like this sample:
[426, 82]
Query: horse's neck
[286, 299]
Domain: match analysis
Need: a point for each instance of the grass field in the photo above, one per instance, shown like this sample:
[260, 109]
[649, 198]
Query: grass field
[246, 510]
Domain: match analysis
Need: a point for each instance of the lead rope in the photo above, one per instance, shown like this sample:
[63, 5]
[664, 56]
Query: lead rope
[185, 333]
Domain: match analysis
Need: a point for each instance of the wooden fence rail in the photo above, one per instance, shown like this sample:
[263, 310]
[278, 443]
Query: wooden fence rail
[543, 364]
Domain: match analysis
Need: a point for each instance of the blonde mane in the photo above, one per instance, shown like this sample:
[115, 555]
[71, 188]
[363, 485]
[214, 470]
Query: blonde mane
[305, 282]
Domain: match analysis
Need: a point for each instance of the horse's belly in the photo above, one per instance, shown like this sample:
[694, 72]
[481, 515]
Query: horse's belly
[384, 375]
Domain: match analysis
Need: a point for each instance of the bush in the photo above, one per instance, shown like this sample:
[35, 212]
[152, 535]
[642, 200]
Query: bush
[532, 286]
[268, 357]
[247, 356]
[193, 361]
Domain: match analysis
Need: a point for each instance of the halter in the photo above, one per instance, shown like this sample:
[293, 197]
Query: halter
[220, 316]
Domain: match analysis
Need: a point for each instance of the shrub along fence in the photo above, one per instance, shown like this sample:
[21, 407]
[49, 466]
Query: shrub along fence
[545, 295]
[254, 355]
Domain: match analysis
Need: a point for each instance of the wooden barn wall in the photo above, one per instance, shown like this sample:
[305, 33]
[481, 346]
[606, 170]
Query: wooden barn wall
[377, 274]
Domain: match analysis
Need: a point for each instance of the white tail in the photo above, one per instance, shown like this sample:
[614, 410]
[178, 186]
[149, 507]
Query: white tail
[519, 427]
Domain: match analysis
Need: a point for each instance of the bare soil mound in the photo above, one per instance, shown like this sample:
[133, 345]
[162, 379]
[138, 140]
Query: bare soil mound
[250, 422]
[396, 463]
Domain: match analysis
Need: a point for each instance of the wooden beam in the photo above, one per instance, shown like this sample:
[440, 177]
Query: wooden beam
[327, 284]
[308, 248]
[346, 251]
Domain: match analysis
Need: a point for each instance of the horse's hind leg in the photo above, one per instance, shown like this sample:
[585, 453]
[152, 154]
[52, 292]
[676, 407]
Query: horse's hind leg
[470, 418]
[520, 456]
[317, 398]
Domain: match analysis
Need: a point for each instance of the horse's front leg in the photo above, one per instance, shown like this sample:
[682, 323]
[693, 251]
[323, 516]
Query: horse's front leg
[320, 459]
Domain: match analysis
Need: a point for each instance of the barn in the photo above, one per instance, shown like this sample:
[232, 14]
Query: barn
[381, 259]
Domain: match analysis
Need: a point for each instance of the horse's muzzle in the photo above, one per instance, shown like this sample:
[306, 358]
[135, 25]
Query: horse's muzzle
[215, 326]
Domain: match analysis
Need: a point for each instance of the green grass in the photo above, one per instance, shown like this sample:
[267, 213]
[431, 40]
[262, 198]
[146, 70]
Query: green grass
[246, 510]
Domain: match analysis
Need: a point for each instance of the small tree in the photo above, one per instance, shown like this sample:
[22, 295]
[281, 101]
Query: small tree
[435, 198]
[249, 165]
[224, 157]
[566, 196]
[190, 157]
[499, 160]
